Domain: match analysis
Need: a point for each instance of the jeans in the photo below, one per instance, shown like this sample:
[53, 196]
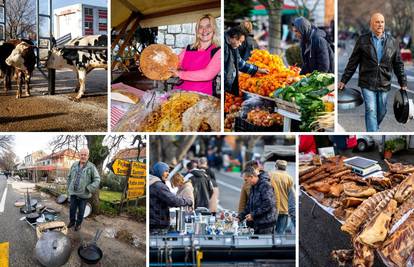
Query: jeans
[77, 203]
[264, 231]
[375, 108]
[281, 223]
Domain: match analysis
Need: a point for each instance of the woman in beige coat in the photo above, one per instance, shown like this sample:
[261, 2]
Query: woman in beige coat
[185, 188]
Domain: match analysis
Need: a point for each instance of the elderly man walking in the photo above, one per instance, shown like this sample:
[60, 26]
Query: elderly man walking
[83, 180]
[377, 54]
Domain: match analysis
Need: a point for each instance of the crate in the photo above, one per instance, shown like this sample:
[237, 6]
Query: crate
[288, 106]
[171, 241]
[284, 240]
[213, 241]
[253, 241]
[242, 125]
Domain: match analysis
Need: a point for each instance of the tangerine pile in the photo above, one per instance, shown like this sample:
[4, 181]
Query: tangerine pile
[264, 84]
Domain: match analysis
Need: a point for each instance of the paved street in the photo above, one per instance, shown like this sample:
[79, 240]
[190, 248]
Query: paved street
[22, 238]
[354, 120]
[230, 184]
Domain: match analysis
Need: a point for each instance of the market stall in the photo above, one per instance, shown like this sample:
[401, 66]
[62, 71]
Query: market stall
[282, 100]
[372, 206]
[144, 62]
[201, 235]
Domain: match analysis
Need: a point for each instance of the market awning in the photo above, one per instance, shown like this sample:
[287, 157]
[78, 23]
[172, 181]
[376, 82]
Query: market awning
[160, 12]
[46, 168]
[260, 10]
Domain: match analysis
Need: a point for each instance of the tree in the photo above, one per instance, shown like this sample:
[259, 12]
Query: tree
[6, 142]
[170, 149]
[20, 16]
[274, 8]
[237, 9]
[8, 161]
[306, 6]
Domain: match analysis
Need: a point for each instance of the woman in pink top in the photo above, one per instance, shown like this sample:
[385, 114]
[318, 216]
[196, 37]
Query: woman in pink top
[200, 62]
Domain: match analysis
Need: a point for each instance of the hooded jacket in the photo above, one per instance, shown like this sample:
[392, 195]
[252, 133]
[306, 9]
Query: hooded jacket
[261, 203]
[161, 199]
[315, 49]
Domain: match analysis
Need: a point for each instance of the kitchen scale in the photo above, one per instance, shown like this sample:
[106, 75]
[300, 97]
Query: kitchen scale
[362, 166]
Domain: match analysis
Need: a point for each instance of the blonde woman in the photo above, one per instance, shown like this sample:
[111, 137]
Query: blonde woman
[185, 188]
[200, 62]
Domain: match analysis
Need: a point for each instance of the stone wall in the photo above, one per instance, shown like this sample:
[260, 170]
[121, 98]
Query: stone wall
[178, 36]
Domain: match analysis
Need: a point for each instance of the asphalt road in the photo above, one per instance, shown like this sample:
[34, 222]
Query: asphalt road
[230, 184]
[22, 238]
[354, 120]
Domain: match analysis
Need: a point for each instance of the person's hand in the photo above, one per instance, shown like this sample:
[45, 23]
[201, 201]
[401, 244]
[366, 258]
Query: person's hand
[249, 217]
[404, 88]
[174, 72]
[263, 71]
[341, 85]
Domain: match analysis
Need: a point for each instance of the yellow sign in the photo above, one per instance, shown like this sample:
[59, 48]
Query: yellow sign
[4, 254]
[136, 187]
[120, 167]
[138, 170]
[135, 193]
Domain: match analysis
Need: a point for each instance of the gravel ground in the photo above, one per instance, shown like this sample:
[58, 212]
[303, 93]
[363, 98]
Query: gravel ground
[42, 112]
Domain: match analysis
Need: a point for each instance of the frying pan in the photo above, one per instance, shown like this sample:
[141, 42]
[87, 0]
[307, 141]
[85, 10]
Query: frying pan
[401, 106]
[32, 217]
[91, 253]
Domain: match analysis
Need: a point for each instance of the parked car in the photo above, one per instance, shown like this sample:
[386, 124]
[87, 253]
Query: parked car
[364, 142]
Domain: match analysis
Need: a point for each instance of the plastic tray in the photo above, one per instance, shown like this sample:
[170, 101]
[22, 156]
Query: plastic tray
[257, 241]
[171, 241]
[213, 241]
[245, 126]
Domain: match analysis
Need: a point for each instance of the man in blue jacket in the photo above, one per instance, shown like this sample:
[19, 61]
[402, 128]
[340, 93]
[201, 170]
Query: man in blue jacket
[315, 50]
[260, 211]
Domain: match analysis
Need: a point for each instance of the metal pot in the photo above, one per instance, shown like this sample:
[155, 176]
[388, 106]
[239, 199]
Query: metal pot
[403, 106]
[53, 249]
[349, 98]
[61, 199]
[91, 253]
[88, 210]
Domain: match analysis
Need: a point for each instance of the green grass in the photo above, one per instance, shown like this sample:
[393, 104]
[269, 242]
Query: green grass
[137, 213]
[107, 209]
[110, 196]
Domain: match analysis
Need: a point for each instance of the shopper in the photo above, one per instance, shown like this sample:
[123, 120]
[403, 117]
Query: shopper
[260, 212]
[378, 55]
[233, 63]
[202, 164]
[83, 180]
[185, 187]
[316, 51]
[161, 198]
[203, 188]
[250, 43]
[282, 183]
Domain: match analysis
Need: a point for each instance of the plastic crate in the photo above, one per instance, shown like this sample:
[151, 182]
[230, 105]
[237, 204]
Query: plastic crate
[255, 241]
[213, 241]
[284, 240]
[245, 126]
[171, 241]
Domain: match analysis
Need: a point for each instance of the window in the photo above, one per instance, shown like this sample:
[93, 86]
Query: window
[88, 25]
[88, 11]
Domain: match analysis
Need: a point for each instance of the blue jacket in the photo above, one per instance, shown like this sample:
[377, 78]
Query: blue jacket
[261, 203]
[315, 50]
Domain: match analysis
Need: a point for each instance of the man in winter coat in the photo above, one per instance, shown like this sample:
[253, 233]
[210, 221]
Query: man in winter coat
[260, 211]
[161, 198]
[377, 54]
[203, 188]
[83, 180]
[233, 63]
[315, 50]
[203, 165]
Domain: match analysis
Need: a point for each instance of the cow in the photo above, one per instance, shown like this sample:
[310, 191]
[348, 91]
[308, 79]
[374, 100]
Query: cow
[23, 60]
[81, 61]
[7, 71]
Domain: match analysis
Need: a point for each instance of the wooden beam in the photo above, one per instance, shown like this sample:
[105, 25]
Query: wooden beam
[126, 41]
[122, 32]
[210, 5]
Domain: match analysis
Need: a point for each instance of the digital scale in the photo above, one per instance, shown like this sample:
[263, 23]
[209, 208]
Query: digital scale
[362, 166]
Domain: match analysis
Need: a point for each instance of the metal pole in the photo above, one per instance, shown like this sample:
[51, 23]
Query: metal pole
[37, 32]
[4, 19]
[51, 72]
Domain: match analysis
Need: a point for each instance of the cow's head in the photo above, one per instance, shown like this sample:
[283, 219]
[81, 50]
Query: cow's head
[56, 59]
[16, 58]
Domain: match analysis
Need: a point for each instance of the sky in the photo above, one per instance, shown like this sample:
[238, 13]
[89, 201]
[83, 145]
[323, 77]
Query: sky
[62, 3]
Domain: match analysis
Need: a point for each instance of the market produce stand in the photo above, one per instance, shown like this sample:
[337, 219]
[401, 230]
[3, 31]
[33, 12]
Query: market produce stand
[376, 211]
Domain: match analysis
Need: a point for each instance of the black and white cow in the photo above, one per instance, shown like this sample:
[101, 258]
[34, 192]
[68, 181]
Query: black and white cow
[81, 61]
[23, 60]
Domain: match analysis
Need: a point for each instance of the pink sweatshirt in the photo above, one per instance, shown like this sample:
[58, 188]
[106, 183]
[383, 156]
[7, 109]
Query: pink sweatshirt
[206, 74]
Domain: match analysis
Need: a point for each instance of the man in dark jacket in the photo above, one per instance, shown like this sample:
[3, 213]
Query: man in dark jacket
[249, 44]
[377, 54]
[316, 51]
[233, 63]
[203, 165]
[261, 205]
[161, 198]
[203, 188]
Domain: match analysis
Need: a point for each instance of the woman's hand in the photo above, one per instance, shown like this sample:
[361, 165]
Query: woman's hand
[174, 71]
